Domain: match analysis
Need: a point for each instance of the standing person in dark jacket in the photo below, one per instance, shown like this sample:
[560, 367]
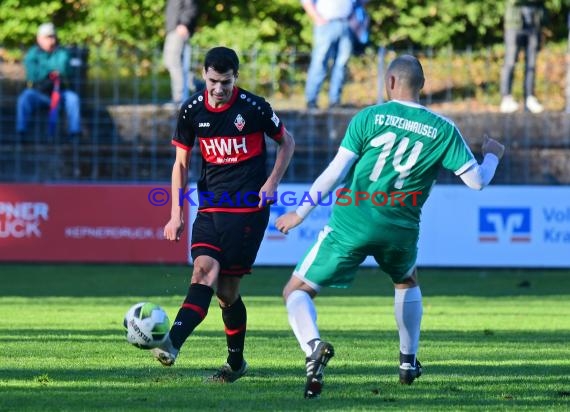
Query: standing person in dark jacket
[181, 16]
[47, 64]
[523, 22]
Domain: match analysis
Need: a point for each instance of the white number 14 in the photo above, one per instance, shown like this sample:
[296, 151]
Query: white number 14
[387, 141]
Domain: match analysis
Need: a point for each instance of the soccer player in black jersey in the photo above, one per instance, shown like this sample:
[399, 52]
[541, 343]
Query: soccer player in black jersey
[230, 125]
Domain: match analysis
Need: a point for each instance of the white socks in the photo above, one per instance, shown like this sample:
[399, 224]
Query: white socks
[408, 312]
[303, 318]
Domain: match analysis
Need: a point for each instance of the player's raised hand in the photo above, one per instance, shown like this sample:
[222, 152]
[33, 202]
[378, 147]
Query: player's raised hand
[173, 229]
[492, 146]
[288, 221]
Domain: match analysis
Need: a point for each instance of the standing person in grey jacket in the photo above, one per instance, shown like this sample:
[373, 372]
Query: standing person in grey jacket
[181, 17]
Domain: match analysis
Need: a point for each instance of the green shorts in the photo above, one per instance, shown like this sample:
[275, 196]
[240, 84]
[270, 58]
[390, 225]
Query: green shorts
[334, 258]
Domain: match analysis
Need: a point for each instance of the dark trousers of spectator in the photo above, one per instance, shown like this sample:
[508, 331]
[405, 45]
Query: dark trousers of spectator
[515, 41]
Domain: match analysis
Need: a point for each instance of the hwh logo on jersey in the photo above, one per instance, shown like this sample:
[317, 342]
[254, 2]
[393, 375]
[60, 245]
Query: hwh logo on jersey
[222, 148]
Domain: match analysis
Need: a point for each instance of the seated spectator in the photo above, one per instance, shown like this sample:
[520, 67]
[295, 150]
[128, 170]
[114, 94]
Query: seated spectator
[47, 69]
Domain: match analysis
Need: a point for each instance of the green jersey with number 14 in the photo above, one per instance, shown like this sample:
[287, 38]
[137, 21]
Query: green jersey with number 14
[401, 146]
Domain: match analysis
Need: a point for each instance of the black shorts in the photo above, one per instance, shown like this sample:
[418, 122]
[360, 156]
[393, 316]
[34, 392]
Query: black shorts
[233, 239]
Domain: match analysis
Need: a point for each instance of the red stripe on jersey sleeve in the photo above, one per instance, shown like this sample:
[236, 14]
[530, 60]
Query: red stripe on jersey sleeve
[182, 146]
[279, 136]
[224, 150]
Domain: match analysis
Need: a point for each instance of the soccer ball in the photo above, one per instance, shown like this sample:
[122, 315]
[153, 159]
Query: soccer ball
[146, 325]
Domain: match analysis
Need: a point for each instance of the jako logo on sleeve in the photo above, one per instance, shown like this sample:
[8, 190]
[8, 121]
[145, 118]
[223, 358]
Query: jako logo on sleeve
[504, 224]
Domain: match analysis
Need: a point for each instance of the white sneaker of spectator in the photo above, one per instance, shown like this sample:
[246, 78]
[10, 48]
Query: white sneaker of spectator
[533, 105]
[508, 104]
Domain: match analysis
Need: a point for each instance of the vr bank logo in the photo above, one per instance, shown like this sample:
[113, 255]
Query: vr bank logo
[504, 224]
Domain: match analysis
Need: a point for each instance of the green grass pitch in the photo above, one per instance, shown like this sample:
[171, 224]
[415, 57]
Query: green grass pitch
[491, 340]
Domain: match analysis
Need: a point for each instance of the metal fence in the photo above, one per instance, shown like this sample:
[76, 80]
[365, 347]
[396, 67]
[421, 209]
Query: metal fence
[127, 121]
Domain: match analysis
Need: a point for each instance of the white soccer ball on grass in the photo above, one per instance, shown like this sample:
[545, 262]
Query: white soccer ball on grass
[146, 325]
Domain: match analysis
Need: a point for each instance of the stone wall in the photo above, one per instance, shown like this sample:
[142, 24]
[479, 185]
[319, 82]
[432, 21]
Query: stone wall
[132, 142]
[538, 146]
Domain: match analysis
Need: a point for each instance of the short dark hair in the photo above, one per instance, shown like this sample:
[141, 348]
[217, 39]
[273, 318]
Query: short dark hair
[222, 59]
[409, 70]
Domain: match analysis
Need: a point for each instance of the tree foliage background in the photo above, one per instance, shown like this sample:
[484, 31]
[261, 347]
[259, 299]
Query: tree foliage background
[265, 25]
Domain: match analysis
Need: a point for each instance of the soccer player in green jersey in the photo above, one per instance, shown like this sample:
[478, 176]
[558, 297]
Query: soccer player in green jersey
[388, 162]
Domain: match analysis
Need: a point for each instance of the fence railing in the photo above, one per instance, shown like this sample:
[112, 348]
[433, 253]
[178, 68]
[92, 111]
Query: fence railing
[128, 123]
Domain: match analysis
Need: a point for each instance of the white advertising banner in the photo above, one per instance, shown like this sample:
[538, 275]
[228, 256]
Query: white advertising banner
[501, 226]
[280, 249]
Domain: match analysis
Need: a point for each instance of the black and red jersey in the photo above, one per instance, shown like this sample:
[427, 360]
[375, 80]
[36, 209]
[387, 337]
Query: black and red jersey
[232, 144]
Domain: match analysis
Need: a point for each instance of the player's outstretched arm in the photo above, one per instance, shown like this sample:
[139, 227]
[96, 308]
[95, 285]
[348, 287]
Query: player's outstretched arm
[479, 176]
[321, 188]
